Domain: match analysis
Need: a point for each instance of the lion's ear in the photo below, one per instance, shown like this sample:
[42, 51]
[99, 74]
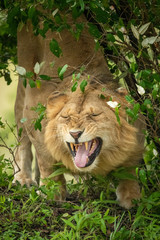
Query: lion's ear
[55, 103]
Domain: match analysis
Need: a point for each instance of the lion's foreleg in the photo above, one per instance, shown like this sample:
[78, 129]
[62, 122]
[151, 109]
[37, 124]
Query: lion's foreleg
[46, 167]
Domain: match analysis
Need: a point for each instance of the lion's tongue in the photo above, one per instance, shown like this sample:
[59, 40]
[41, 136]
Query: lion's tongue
[82, 155]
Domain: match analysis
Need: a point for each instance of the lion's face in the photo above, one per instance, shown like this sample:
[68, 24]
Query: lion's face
[82, 129]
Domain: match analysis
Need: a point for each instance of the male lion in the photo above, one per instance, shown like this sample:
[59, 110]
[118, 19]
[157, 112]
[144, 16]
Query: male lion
[81, 129]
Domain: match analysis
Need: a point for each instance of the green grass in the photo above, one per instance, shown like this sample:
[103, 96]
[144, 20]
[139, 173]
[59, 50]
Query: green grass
[90, 211]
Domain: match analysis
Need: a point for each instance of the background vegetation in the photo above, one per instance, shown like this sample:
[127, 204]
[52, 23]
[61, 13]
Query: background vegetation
[129, 32]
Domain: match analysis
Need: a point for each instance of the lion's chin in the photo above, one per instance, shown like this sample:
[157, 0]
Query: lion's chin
[85, 153]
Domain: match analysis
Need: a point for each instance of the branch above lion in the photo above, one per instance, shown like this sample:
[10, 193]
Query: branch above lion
[81, 129]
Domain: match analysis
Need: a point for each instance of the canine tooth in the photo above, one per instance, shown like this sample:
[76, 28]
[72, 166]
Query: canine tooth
[71, 144]
[93, 145]
[86, 145]
[76, 147]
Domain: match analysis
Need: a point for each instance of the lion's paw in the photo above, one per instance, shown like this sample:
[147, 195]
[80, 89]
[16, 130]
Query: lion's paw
[126, 192]
[24, 181]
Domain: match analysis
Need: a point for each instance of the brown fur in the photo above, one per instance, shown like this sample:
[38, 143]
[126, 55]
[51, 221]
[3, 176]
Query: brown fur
[67, 111]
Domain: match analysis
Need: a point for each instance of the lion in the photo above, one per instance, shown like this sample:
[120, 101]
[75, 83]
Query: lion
[81, 128]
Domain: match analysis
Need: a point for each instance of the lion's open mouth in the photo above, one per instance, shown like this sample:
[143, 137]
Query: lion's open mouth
[85, 153]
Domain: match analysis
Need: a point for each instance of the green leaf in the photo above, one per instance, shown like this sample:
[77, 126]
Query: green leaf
[143, 177]
[58, 172]
[83, 85]
[156, 77]
[24, 82]
[120, 35]
[61, 71]
[134, 67]
[74, 87]
[129, 99]
[40, 109]
[103, 226]
[54, 47]
[93, 30]
[117, 115]
[29, 74]
[124, 174]
[78, 76]
[130, 112]
[20, 132]
[7, 78]
[110, 37]
[1, 123]
[31, 12]
[136, 108]
[32, 83]
[102, 96]
[67, 222]
[37, 124]
[38, 83]
[77, 31]
[45, 77]
[111, 219]
[81, 2]
[23, 120]
[1, 157]
[20, 26]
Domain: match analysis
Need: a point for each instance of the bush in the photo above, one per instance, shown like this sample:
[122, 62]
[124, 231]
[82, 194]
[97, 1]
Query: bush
[129, 34]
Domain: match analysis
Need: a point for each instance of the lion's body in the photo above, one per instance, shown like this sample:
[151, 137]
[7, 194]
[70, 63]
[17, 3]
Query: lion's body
[69, 113]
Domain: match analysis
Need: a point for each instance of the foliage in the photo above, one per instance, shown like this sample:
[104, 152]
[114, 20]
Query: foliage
[129, 33]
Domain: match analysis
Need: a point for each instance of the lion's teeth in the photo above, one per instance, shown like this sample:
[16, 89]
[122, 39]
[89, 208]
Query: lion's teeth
[76, 147]
[93, 145]
[86, 145]
[72, 147]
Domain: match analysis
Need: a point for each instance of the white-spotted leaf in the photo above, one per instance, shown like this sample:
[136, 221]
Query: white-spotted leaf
[135, 32]
[21, 70]
[140, 89]
[112, 104]
[37, 68]
[144, 28]
[149, 40]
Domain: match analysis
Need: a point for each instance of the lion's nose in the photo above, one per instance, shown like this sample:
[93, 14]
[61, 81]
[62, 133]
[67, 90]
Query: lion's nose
[76, 135]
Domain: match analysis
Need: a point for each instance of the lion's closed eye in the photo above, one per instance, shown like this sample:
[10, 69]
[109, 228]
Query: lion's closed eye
[64, 116]
[95, 114]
